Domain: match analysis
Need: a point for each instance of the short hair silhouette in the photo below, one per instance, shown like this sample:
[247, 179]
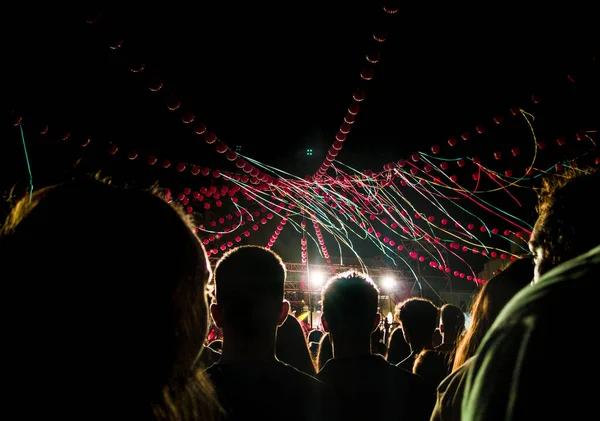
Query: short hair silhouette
[418, 317]
[111, 282]
[249, 287]
[350, 302]
[452, 319]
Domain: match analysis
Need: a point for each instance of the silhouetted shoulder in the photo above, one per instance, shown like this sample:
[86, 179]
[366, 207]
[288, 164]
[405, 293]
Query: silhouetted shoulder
[517, 347]
[266, 390]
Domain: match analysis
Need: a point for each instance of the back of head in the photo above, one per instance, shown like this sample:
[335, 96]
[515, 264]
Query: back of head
[488, 303]
[350, 305]
[291, 346]
[325, 352]
[418, 317]
[103, 283]
[249, 283]
[431, 365]
[566, 225]
[452, 319]
[398, 349]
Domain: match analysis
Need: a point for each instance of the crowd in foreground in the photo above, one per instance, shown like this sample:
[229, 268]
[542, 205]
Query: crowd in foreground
[106, 309]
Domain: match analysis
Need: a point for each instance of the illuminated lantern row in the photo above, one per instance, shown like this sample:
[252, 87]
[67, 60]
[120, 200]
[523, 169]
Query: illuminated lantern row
[256, 223]
[321, 241]
[345, 208]
[366, 74]
[255, 176]
[399, 247]
[276, 233]
[212, 235]
[195, 170]
[498, 119]
[173, 103]
[230, 244]
[453, 246]
[44, 130]
[303, 252]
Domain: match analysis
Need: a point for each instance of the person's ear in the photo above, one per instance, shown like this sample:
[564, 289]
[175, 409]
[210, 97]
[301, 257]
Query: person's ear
[216, 313]
[376, 322]
[324, 323]
[285, 310]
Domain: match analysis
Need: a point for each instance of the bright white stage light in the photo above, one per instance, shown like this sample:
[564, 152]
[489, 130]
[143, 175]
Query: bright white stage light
[317, 279]
[388, 283]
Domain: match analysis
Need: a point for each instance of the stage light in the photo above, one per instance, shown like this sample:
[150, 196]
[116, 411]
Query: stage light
[388, 283]
[309, 152]
[317, 279]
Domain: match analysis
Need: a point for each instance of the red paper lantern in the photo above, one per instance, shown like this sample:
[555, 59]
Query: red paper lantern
[173, 104]
[367, 73]
[373, 56]
[188, 117]
[221, 147]
[359, 95]
[380, 36]
[210, 138]
[157, 85]
[231, 156]
[199, 127]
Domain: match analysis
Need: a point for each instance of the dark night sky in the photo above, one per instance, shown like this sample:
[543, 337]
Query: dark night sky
[276, 80]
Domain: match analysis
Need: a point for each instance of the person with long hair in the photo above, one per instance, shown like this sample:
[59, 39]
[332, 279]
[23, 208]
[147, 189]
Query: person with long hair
[105, 306]
[517, 372]
[490, 299]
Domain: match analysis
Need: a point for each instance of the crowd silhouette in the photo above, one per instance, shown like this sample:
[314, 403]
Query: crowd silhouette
[107, 313]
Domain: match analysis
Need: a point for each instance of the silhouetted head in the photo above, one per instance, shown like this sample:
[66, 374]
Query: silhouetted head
[566, 226]
[249, 286]
[291, 346]
[106, 291]
[350, 303]
[452, 320]
[325, 352]
[398, 349]
[418, 317]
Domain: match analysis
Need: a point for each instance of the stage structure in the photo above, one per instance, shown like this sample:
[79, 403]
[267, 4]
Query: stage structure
[304, 282]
